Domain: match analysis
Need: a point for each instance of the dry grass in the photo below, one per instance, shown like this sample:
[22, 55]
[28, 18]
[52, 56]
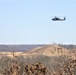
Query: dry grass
[39, 64]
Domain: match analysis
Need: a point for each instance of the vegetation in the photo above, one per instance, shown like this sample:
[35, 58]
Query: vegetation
[39, 65]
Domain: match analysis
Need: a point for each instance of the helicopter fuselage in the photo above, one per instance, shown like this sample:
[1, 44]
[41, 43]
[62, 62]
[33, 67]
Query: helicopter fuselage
[58, 19]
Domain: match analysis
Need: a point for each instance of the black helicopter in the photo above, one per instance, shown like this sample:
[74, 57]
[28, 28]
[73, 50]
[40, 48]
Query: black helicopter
[58, 19]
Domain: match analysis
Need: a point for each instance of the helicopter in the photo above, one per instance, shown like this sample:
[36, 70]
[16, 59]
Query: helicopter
[58, 19]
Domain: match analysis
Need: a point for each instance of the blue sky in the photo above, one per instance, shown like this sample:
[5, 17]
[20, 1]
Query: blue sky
[29, 21]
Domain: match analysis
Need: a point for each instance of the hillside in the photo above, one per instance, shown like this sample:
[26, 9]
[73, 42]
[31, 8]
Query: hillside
[26, 47]
[47, 50]
[54, 58]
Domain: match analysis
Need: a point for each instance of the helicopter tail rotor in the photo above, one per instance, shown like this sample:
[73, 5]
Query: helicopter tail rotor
[64, 18]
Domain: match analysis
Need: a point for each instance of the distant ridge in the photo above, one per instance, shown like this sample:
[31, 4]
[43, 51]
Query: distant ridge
[51, 50]
[26, 47]
[17, 48]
